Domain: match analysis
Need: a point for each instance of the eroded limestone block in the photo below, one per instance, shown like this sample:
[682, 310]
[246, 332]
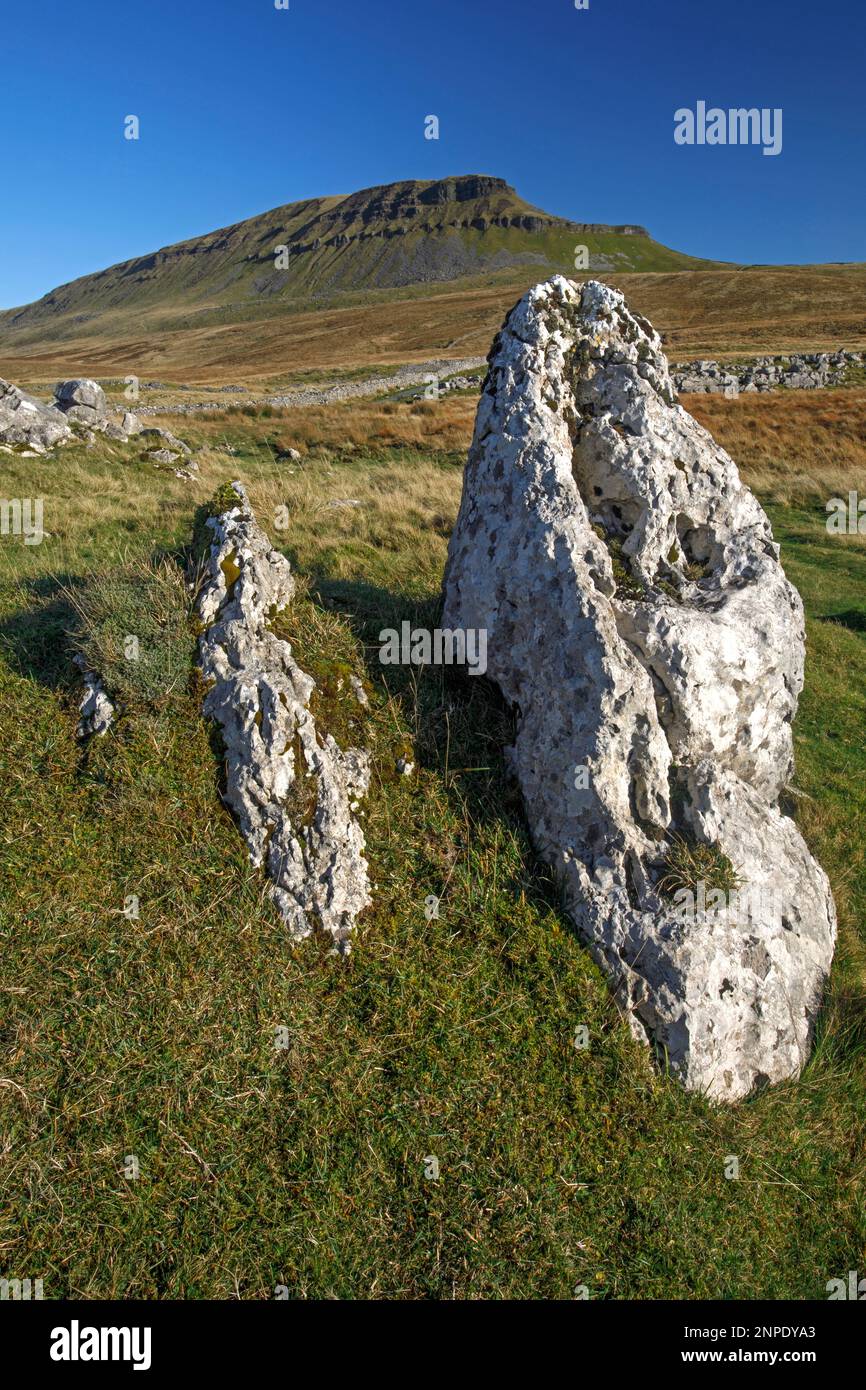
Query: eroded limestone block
[293, 790]
[639, 619]
[26, 420]
[96, 710]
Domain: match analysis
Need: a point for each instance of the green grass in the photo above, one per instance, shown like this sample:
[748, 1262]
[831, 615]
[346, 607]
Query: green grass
[688, 864]
[450, 1037]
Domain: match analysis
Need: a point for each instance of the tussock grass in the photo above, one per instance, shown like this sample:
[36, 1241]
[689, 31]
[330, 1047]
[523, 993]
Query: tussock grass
[689, 863]
[449, 1035]
[792, 447]
[441, 425]
[134, 629]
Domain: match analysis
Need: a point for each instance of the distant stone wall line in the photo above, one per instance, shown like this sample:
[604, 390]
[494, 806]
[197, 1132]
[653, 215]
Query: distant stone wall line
[797, 371]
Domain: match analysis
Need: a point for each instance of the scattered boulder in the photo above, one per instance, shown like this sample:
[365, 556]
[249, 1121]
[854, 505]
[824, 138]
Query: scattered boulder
[444, 388]
[130, 424]
[166, 450]
[96, 709]
[640, 623]
[162, 456]
[167, 458]
[79, 413]
[83, 400]
[25, 420]
[160, 437]
[706, 378]
[291, 787]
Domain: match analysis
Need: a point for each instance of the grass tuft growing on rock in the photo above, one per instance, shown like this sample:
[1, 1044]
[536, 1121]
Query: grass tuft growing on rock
[628, 585]
[690, 862]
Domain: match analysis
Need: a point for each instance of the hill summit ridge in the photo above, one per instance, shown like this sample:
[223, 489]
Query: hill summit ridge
[386, 237]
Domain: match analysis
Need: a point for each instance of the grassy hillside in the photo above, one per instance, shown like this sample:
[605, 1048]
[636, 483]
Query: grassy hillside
[411, 233]
[400, 273]
[721, 313]
[450, 1037]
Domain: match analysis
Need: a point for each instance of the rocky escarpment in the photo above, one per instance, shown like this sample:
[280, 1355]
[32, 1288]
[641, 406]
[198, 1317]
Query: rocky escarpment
[639, 621]
[398, 209]
[801, 371]
[293, 790]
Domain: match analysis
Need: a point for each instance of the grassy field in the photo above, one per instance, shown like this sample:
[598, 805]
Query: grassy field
[305, 1165]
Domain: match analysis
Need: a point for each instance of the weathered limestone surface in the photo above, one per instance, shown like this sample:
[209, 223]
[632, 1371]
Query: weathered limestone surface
[640, 621]
[25, 420]
[260, 697]
[96, 709]
[83, 400]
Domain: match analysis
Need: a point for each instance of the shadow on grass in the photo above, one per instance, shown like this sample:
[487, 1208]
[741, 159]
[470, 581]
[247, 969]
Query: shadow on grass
[461, 725]
[35, 641]
[853, 618]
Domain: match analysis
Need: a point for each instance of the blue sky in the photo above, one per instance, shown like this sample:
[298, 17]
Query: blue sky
[244, 107]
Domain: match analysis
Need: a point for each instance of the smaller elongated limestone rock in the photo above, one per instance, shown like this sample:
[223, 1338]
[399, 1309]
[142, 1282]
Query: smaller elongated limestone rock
[96, 709]
[290, 786]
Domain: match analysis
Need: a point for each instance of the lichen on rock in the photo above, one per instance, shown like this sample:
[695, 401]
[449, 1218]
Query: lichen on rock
[289, 784]
[640, 622]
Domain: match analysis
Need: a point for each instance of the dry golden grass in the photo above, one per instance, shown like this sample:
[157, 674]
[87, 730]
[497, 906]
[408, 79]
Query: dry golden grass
[714, 313]
[788, 445]
[445, 424]
[792, 445]
[753, 310]
[403, 464]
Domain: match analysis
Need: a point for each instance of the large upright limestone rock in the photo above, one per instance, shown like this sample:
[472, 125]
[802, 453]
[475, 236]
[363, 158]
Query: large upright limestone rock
[293, 790]
[640, 621]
